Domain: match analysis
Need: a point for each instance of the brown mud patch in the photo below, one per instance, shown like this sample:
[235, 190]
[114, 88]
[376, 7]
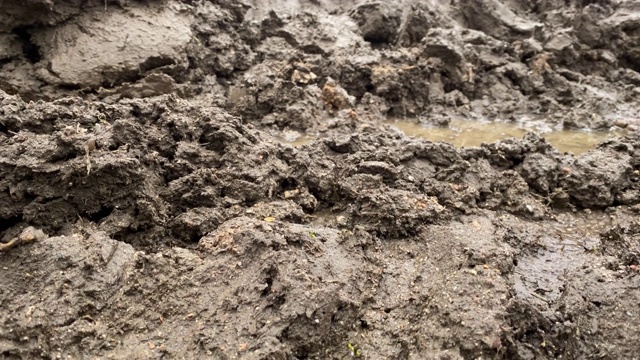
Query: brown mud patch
[150, 206]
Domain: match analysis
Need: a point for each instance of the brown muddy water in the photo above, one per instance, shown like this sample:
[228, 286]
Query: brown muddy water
[295, 138]
[465, 133]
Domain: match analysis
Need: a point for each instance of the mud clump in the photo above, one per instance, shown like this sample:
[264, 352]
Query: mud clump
[378, 21]
[148, 210]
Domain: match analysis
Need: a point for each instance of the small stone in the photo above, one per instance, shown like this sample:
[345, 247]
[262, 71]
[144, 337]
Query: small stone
[620, 123]
[559, 42]
[90, 145]
[289, 194]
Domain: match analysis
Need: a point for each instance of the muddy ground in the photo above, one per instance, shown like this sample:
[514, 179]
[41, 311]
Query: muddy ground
[149, 207]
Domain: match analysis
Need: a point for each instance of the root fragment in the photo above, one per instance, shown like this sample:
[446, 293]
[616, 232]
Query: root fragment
[89, 146]
[28, 235]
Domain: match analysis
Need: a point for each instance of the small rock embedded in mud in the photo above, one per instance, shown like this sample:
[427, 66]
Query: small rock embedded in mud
[303, 77]
[335, 97]
[621, 123]
[90, 145]
[290, 194]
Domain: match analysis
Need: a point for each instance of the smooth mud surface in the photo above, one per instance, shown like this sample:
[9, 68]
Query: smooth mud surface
[219, 179]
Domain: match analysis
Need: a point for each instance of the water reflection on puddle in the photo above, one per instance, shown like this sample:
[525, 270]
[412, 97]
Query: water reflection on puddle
[464, 133]
[295, 138]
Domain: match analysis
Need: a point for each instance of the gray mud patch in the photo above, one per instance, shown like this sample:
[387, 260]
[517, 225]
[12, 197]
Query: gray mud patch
[150, 206]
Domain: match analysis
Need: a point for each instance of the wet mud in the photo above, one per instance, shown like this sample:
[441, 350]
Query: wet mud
[219, 179]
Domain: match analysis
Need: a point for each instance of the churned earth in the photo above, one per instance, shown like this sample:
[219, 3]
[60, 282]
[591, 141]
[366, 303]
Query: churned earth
[218, 179]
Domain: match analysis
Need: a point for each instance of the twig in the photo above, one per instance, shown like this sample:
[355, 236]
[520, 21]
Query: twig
[539, 296]
[28, 235]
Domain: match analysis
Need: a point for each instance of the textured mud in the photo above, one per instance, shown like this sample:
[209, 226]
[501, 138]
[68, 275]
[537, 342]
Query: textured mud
[150, 209]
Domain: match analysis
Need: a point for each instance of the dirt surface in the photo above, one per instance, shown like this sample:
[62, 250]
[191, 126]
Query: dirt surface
[150, 209]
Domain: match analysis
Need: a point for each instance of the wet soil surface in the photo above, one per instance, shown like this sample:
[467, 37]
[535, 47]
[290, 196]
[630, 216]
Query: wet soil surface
[152, 204]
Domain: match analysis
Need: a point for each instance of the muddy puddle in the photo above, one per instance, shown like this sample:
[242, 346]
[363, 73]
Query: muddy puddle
[295, 138]
[465, 133]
